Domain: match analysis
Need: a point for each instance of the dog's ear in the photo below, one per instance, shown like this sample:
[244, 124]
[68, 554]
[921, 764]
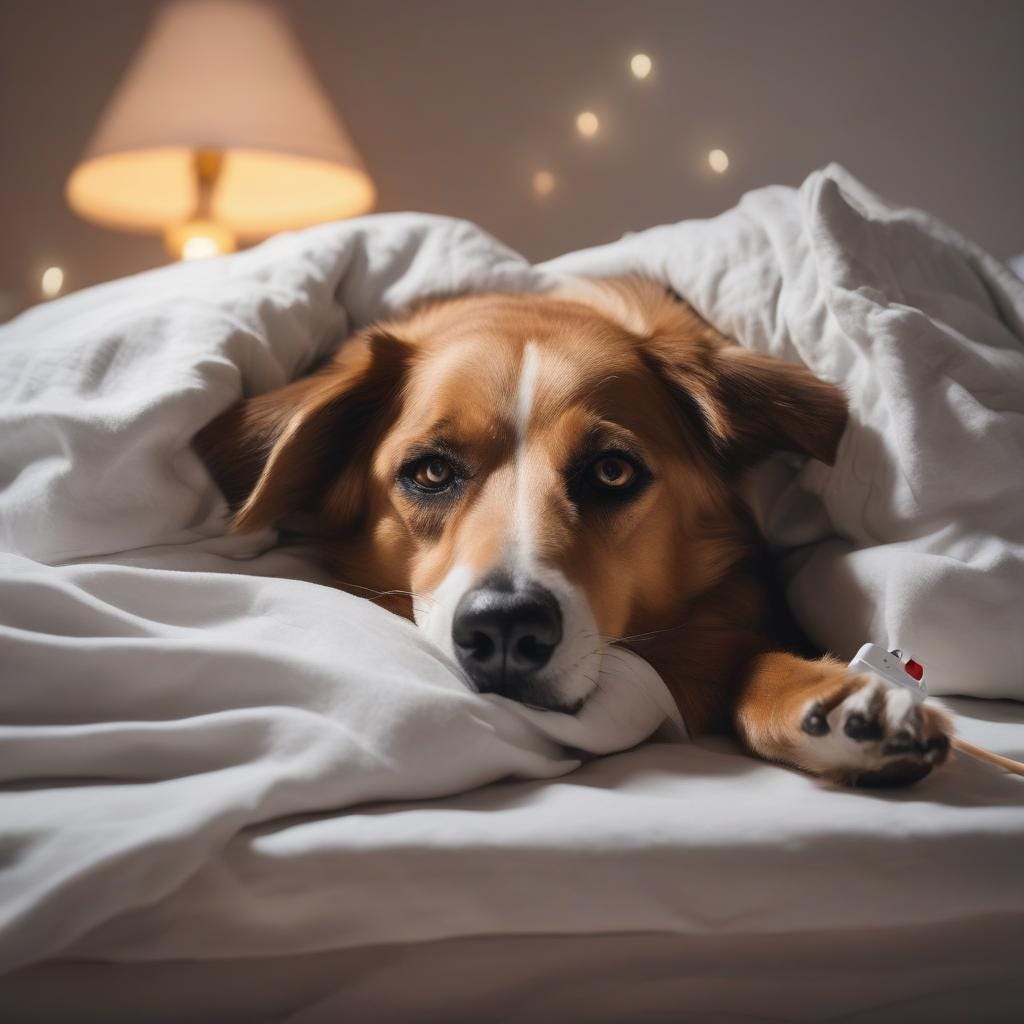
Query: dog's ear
[747, 405]
[276, 454]
[743, 404]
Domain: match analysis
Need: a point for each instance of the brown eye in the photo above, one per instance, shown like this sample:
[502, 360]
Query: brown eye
[613, 473]
[432, 473]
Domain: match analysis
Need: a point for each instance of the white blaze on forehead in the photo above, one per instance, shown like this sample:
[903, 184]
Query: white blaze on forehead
[523, 554]
[525, 390]
[577, 659]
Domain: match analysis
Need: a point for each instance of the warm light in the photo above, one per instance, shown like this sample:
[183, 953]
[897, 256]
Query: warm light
[51, 282]
[543, 183]
[587, 124]
[718, 160]
[258, 193]
[640, 64]
[220, 116]
[199, 247]
[199, 239]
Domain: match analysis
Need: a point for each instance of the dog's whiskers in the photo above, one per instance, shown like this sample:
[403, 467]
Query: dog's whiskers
[388, 593]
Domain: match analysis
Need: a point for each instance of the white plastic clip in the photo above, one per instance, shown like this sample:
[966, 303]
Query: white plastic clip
[894, 667]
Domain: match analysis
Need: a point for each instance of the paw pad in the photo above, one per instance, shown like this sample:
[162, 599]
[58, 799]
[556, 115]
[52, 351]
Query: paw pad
[861, 727]
[901, 743]
[814, 722]
[864, 733]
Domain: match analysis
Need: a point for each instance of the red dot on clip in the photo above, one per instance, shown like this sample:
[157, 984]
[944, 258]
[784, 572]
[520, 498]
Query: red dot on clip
[914, 669]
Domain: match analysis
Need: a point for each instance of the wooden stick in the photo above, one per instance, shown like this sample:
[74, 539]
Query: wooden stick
[1016, 767]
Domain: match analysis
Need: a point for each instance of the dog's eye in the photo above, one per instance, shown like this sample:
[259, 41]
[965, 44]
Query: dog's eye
[613, 472]
[432, 473]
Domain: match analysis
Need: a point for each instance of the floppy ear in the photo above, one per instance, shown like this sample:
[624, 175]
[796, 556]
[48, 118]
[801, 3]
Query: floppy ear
[748, 405]
[745, 405]
[275, 455]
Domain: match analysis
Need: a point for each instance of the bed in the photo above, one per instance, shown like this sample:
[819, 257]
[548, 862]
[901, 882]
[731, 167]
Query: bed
[673, 881]
[233, 792]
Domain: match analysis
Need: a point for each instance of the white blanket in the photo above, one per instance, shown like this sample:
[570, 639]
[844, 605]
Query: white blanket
[163, 695]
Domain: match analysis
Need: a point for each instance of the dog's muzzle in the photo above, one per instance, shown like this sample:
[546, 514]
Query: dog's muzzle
[504, 632]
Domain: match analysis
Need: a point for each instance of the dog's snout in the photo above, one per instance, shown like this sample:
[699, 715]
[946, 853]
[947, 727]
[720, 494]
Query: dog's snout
[504, 632]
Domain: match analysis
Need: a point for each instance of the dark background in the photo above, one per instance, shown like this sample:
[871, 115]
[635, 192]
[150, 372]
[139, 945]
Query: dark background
[455, 103]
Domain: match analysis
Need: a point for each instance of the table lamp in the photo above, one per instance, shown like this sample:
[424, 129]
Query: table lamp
[219, 132]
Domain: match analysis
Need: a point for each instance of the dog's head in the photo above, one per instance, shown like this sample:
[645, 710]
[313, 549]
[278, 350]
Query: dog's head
[539, 475]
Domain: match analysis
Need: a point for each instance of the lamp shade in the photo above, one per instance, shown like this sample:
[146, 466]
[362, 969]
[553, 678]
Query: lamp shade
[223, 77]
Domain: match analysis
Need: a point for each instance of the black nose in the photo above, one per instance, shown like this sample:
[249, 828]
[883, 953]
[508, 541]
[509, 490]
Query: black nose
[504, 632]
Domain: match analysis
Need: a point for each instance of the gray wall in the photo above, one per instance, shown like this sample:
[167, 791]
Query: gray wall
[455, 103]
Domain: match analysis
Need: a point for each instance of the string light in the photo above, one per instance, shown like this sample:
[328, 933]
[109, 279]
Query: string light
[640, 64]
[51, 282]
[587, 124]
[543, 183]
[718, 160]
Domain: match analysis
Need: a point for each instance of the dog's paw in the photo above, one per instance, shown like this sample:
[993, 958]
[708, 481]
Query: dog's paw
[866, 732]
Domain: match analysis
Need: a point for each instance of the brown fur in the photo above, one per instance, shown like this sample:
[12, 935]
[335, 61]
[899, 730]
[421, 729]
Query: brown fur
[669, 574]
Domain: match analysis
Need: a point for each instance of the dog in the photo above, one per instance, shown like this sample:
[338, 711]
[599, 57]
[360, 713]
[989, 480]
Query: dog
[532, 478]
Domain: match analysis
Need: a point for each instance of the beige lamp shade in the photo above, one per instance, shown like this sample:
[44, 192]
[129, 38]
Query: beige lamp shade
[227, 79]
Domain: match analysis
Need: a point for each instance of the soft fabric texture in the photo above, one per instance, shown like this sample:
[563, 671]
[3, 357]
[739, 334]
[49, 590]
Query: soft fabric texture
[916, 538]
[168, 700]
[673, 882]
[173, 710]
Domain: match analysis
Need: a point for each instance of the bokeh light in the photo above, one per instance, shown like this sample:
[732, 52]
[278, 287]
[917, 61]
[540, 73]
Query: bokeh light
[51, 282]
[718, 160]
[587, 124]
[640, 64]
[543, 183]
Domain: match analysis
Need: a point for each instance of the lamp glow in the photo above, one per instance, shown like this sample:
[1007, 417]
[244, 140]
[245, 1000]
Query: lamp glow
[199, 239]
[51, 282]
[587, 124]
[199, 247]
[219, 117]
[543, 183]
[718, 161]
[641, 65]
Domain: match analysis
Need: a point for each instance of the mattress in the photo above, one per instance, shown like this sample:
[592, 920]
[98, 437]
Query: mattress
[673, 881]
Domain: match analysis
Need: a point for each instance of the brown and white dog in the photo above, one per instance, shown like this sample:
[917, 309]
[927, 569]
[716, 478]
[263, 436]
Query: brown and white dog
[534, 478]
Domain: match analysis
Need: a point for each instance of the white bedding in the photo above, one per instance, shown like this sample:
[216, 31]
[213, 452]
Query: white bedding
[672, 882]
[168, 707]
